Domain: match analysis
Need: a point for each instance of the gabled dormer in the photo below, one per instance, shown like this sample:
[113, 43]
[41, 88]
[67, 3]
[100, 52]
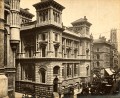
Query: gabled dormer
[48, 12]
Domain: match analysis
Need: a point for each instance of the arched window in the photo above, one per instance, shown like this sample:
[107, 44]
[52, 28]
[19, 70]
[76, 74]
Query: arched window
[56, 70]
[42, 75]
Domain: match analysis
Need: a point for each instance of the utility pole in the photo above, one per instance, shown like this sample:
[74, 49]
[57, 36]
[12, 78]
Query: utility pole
[3, 78]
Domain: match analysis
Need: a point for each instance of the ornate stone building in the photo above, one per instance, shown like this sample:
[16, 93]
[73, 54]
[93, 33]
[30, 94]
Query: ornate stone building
[101, 55]
[52, 58]
[105, 54]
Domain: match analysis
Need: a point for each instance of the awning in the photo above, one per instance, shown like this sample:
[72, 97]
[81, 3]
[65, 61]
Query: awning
[109, 71]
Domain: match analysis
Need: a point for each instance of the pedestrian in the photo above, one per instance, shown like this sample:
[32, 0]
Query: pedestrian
[23, 96]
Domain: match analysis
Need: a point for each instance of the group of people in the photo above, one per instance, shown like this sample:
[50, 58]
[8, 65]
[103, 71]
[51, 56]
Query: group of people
[100, 87]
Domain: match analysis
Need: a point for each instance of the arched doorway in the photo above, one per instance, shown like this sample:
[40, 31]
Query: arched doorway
[55, 85]
[42, 75]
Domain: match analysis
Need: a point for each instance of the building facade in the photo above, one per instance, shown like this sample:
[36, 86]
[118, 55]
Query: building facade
[11, 18]
[101, 55]
[114, 49]
[105, 54]
[52, 58]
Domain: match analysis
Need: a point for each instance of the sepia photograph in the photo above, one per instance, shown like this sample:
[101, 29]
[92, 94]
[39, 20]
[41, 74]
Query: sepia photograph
[59, 48]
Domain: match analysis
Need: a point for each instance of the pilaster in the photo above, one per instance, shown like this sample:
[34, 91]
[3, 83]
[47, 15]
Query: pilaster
[51, 47]
[1, 34]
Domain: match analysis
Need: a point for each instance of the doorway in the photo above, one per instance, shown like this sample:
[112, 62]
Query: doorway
[55, 85]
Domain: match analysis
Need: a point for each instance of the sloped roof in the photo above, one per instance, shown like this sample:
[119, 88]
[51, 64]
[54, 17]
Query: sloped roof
[48, 3]
[81, 20]
[70, 33]
[101, 41]
[25, 11]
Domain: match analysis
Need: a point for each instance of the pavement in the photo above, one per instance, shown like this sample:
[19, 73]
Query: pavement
[17, 95]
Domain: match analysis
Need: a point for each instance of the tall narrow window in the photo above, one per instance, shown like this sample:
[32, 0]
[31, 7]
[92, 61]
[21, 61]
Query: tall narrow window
[46, 16]
[43, 37]
[98, 64]
[29, 51]
[58, 18]
[43, 51]
[54, 15]
[63, 72]
[37, 47]
[43, 16]
[63, 52]
[98, 56]
[68, 51]
[75, 53]
[75, 69]
[56, 37]
[69, 70]
[56, 52]
[42, 75]
[68, 66]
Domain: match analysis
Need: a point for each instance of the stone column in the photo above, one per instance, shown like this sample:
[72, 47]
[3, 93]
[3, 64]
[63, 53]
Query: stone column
[1, 36]
[51, 47]
[18, 75]
[65, 50]
[51, 14]
[60, 47]
[65, 71]
[3, 78]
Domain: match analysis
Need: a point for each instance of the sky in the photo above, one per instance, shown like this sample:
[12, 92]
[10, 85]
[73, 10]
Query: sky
[103, 14]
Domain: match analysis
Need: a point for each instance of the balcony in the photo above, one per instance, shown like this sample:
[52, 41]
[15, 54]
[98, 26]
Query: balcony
[43, 42]
[85, 57]
[56, 43]
[85, 36]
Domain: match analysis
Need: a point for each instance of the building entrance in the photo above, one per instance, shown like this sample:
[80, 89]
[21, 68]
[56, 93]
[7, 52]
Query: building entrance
[55, 85]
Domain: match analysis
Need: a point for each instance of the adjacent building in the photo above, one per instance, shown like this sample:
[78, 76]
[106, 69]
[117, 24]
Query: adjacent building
[52, 58]
[105, 55]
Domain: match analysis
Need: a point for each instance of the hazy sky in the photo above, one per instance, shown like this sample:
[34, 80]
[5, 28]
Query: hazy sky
[103, 14]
